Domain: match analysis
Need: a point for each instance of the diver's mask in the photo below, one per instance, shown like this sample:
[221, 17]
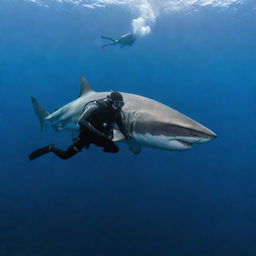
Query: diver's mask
[117, 104]
[116, 100]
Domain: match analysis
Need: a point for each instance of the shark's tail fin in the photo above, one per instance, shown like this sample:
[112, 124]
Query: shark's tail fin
[40, 112]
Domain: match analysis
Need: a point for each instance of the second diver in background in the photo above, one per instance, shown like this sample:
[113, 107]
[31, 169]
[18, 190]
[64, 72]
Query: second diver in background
[127, 39]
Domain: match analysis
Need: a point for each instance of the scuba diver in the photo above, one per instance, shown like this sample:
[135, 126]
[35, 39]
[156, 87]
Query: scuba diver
[96, 127]
[127, 39]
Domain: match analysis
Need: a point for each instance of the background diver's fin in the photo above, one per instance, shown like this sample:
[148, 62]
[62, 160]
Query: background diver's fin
[85, 87]
[40, 112]
[105, 45]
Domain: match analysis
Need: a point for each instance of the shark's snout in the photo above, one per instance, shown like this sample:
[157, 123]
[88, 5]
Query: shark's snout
[188, 137]
[205, 136]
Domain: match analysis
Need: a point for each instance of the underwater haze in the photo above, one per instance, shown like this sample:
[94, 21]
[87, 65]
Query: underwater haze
[196, 56]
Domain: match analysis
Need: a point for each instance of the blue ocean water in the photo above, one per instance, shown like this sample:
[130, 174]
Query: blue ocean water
[159, 203]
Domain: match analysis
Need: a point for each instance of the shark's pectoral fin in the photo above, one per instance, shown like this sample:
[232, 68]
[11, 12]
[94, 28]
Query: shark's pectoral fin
[118, 136]
[135, 148]
[85, 87]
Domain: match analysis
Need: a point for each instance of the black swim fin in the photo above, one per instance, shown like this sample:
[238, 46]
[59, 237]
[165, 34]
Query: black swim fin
[103, 46]
[39, 152]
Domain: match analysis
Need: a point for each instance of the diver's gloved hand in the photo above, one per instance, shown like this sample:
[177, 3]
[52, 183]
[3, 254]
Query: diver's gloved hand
[41, 151]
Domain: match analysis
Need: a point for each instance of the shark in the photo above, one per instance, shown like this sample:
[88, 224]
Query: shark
[148, 122]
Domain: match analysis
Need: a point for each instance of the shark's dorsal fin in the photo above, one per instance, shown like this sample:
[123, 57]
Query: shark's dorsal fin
[85, 87]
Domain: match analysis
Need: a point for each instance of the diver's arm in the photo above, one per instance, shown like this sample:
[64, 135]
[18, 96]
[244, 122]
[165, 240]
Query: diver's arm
[84, 120]
[121, 126]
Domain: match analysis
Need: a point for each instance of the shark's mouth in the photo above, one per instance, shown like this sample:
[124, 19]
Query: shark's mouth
[185, 143]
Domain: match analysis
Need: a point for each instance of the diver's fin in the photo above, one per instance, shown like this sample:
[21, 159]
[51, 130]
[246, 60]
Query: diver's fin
[40, 112]
[105, 45]
[85, 87]
[39, 152]
[108, 38]
[135, 148]
[118, 136]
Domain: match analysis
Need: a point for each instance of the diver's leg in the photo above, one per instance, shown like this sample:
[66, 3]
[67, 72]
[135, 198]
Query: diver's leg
[111, 148]
[108, 38]
[65, 154]
[107, 144]
[81, 141]
[103, 46]
[76, 147]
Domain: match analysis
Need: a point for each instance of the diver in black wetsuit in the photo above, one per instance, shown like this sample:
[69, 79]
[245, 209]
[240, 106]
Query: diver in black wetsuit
[96, 127]
[127, 39]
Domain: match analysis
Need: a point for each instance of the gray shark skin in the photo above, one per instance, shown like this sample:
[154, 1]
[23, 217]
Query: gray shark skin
[125, 40]
[148, 122]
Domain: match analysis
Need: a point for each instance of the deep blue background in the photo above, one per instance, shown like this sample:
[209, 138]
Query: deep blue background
[198, 202]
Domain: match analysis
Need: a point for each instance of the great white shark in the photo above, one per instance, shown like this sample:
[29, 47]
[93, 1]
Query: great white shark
[148, 123]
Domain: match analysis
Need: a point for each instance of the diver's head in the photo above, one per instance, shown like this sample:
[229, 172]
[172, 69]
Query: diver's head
[116, 101]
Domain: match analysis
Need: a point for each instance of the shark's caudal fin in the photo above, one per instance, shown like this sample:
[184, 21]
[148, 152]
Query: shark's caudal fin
[85, 87]
[40, 112]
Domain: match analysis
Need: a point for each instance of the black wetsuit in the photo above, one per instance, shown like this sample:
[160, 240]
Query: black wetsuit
[96, 127]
